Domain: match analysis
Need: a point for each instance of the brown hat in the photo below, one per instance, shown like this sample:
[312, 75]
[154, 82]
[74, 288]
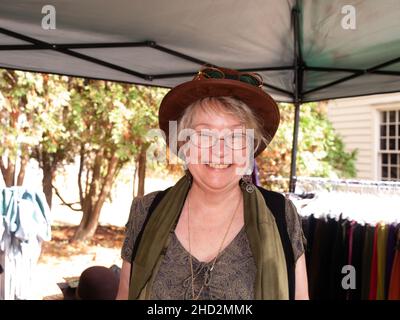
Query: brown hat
[219, 82]
[97, 283]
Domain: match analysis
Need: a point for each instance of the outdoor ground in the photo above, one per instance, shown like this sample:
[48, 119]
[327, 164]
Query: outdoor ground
[60, 259]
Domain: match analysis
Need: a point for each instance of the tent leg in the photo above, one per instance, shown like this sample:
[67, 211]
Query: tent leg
[293, 177]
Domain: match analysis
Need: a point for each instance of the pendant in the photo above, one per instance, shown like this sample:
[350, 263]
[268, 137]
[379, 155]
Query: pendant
[207, 277]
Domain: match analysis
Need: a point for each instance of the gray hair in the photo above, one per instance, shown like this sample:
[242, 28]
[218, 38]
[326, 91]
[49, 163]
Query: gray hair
[226, 105]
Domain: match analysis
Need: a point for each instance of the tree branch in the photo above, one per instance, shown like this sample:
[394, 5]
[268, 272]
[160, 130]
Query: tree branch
[3, 168]
[24, 161]
[115, 176]
[64, 202]
[81, 160]
[38, 156]
[93, 191]
[87, 184]
[10, 173]
[108, 180]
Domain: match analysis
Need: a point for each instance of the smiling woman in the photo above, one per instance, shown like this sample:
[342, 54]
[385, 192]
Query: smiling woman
[214, 235]
[213, 117]
[213, 161]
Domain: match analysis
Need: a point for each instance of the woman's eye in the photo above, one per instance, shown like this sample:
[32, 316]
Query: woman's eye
[238, 137]
[238, 140]
[202, 139]
[206, 137]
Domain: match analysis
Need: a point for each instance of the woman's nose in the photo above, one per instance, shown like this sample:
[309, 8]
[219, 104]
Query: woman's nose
[221, 151]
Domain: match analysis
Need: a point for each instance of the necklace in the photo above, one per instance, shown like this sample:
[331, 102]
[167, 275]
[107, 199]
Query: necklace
[194, 296]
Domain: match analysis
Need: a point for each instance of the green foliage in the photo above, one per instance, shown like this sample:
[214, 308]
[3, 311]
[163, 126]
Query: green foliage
[112, 116]
[321, 149]
[109, 124]
[320, 152]
[31, 112]
[54, 117]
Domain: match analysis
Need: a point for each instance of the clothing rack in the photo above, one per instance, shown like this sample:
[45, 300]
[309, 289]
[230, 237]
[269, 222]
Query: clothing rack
[341, 225]
[319, 180]
[365, 201]
[349, 182]
[306, 186]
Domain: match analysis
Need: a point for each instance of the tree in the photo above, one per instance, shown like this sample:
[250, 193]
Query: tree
[53, 119]
[55, 147]
[109, 123]
[147, 103]
[320, 149]
[31, 111]
[15, 128]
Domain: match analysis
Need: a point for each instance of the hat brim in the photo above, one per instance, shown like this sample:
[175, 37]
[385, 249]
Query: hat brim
[179, 98]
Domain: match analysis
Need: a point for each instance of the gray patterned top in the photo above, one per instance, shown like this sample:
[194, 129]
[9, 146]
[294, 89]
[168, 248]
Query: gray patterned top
[233, 275]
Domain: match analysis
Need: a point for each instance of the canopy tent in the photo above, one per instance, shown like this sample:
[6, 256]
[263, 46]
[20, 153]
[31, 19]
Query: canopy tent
[308, 50]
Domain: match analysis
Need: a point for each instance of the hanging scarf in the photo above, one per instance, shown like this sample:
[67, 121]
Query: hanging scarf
[262, 232]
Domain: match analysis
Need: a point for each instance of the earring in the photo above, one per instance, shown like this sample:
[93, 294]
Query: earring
[247, 183]
[189, 176]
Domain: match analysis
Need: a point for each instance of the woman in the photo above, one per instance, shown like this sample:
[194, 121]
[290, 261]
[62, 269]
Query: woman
[212, 235]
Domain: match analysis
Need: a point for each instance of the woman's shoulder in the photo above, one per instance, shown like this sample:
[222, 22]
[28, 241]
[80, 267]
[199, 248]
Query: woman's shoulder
[295, 230]
[140, 205]
[279, 200]
[276, 200]
[138, 212]
[148, 198]
[290, 217]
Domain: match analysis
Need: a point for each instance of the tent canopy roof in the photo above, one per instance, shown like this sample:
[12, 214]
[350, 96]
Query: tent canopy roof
[164, 43]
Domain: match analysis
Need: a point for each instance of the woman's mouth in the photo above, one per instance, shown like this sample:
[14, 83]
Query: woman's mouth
[218, 166]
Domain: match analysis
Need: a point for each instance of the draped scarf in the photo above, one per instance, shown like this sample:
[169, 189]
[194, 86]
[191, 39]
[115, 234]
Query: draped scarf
[265, 243]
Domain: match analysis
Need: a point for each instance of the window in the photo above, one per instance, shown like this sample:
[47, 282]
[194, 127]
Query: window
[390, 145]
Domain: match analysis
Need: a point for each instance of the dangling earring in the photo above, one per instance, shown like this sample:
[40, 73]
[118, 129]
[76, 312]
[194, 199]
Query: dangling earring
[189, 176]
[247, 182]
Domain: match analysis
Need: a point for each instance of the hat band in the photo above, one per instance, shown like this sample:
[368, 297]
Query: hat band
[251, 78]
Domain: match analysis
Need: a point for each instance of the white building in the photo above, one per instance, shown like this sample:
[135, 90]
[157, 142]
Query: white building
[370, 124]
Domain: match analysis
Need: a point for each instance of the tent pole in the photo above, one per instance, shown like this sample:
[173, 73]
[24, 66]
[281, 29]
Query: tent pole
[299, 66]
[292, 182]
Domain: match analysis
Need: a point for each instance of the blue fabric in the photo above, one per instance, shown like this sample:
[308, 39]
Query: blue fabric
[25, 223]
[25, 215]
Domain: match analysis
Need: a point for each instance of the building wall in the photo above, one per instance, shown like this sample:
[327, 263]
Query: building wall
[357, 121]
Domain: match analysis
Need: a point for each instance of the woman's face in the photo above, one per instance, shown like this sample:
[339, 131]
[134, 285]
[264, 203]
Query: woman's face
[217, 167]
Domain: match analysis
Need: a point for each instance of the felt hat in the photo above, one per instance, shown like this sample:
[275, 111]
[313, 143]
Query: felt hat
[219, 82]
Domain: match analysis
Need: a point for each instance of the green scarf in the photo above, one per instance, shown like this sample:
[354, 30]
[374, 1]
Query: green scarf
[262, 232]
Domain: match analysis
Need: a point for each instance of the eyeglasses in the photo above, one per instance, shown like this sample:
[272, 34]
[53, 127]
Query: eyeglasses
[251, 78]
[208, 139]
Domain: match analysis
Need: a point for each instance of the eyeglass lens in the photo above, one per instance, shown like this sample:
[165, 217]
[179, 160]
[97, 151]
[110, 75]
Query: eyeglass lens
[235, 141]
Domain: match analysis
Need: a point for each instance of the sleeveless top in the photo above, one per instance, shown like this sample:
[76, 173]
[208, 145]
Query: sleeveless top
[233, 275]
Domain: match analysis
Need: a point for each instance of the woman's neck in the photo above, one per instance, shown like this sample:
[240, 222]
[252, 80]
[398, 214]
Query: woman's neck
[209, 201]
